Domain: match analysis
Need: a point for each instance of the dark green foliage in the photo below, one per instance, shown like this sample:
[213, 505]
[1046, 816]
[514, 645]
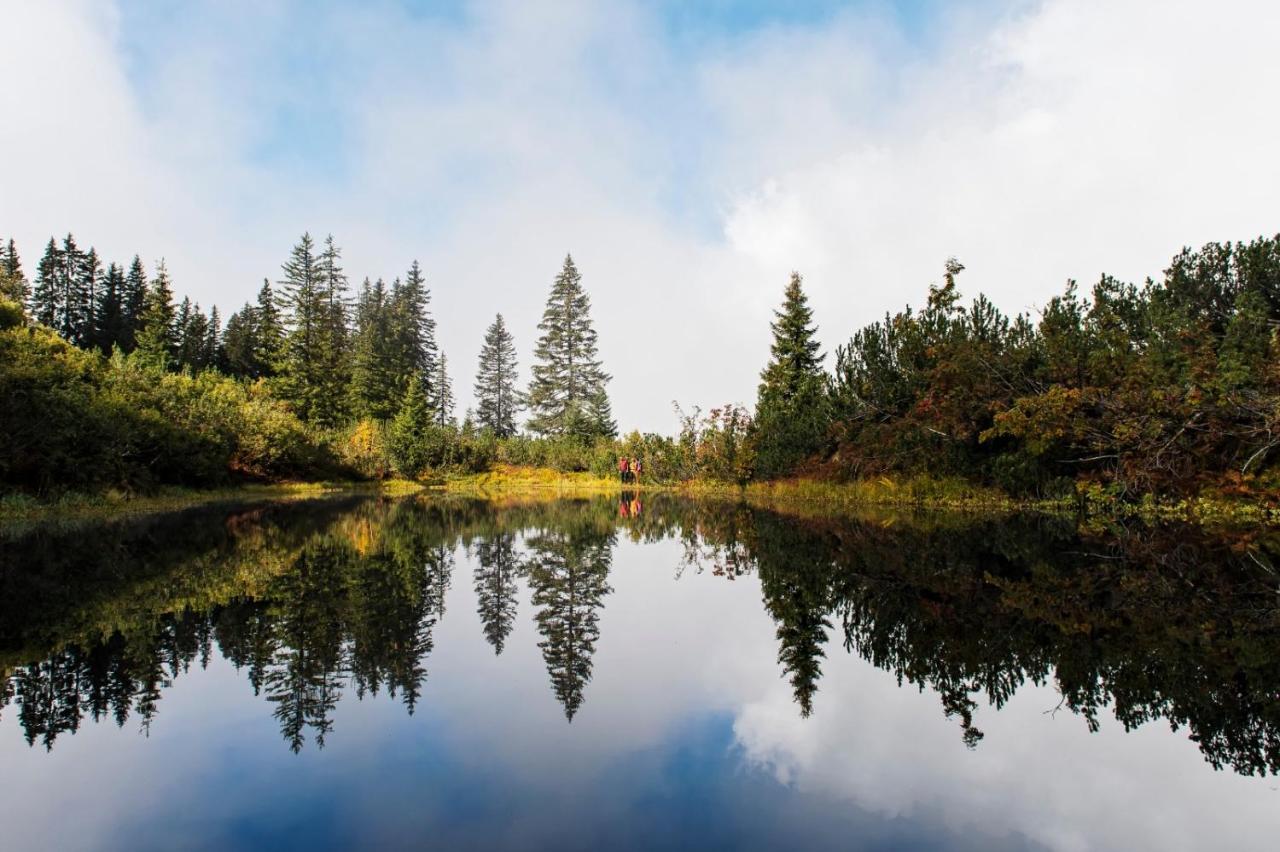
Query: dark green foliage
[13, 283]
[498, 398]
[376, 389]
[567, 396]
[157, 337]
[112, 320]
[1170, 386]
[65, 283]
[414, 440]
[312, 304]
[791, 405]
[442, 401]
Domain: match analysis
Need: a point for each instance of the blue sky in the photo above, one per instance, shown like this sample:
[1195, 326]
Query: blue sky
[689, 155]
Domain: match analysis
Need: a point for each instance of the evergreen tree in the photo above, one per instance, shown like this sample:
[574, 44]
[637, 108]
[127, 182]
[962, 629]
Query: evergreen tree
[407, 435]
[158, 337]
[13, 284]
[375, 387]
[269, 333]
[333, 334]
[135, 302]
[791, 407]
[497, 568]
[89, 282]
[442, 402]
[239, 344]
[111, 322]
[303, 306]
[414, 331]
[497, 395]
[213, 354]
[63, 294]
[567, 395]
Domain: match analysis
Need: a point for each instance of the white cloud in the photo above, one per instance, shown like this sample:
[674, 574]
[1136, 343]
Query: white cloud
[1071, 138]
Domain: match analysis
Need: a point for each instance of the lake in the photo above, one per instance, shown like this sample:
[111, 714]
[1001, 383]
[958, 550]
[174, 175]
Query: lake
[642, 673]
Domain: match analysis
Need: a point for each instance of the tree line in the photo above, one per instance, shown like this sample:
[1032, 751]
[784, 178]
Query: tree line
[333, 355]
[1168, 386]
[340, 380]
[1171, 386]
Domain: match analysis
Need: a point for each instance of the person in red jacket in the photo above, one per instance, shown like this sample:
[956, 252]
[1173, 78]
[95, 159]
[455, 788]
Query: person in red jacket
[624, 469]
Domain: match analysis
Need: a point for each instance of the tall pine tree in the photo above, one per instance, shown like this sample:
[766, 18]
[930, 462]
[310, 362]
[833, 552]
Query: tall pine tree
[13, 284]
[308, 378]
[498, 398]
[158, 337]
[442, 403]
[413, 330]
[791, 406]
[112, 322]
[268, 346]
[567, 395]
[375, 386]
[135, 303]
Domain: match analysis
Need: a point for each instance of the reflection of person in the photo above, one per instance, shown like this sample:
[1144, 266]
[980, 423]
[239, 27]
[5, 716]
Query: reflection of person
[624, 508]
[635, 507]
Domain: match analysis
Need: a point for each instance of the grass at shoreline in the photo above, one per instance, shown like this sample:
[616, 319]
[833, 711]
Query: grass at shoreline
[810, 497]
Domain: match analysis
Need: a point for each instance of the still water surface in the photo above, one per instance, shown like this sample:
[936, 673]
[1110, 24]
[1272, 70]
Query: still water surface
[461, 674]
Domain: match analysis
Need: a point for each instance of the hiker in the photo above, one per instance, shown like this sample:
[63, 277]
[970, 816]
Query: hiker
[635, 470]
[624, 470]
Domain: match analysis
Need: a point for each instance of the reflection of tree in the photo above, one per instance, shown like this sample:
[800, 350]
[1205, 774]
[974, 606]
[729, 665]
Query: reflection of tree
[497, 568]
[795, 575]
[569, 573]
[392, 619]
[304, 680]
[1158, 624]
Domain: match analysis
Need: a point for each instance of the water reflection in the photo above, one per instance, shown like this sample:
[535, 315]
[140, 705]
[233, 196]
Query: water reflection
[310, 602]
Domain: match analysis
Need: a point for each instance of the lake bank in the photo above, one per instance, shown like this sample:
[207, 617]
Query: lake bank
[807, 497]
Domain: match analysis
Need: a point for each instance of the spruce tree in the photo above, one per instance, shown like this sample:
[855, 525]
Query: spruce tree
[497, 395]
[302, 304]
[442, 403]
[269, 333]
[213, 354]
[567, 395]
[239, 344]
[157, 339]
[135, 302]
[13, 284]
[88, 274]
[413, 331]
[407, 434]
[791, 404]
[333, 334]
[375, 387]
[111, 322]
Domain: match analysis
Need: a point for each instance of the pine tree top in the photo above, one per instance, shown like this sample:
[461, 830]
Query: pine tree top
[795, 351]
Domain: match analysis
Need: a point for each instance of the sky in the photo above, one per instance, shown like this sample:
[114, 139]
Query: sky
[688, 155]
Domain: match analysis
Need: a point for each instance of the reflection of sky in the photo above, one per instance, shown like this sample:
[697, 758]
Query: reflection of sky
[688, 738]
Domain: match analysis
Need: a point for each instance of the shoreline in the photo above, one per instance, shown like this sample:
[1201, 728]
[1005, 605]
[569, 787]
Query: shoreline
[802, 496]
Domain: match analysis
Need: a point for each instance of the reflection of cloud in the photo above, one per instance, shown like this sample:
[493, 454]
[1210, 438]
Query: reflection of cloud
[688, 177]
[890, 749]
